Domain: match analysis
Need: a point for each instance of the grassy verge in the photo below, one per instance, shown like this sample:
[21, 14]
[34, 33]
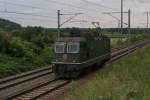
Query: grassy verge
[126, 80]
[116, 43]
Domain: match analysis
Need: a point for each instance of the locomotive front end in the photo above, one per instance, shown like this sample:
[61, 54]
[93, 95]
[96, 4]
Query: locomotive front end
[67, 57]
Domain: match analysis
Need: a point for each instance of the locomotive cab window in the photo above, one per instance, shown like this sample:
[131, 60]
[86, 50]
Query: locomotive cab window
[60, 47]
[73, 47]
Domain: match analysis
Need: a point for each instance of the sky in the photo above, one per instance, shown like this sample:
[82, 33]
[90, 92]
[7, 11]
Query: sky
[44, 12]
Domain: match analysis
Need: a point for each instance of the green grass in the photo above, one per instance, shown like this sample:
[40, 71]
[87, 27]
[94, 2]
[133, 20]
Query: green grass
[115, 42]
[129, 79]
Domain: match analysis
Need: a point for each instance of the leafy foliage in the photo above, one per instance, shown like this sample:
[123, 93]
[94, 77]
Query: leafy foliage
[3, 43]
[20, 48]
[20, 55]
[28, 48]
[47, 54]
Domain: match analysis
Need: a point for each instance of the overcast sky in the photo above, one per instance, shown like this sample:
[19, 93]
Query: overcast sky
[44, 12]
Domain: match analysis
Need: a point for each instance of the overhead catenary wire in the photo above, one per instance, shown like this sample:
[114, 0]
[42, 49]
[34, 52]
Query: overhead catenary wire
[24, 5]
[73, 6]
[31, 14]
[36, 19]
[29, 6]
[99, 5]
[35, 7]
[79, 8]
[21, 13]
[69, 19]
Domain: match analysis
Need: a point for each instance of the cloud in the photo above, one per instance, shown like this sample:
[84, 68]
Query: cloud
[89, 1]
[92, 7]
[93, 0]
[143, 1]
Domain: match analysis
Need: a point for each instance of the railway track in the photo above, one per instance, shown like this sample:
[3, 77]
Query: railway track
[8, 79]
[125, 51]
[36, 84]
[11, 84]
[42, 90]
[18, 79]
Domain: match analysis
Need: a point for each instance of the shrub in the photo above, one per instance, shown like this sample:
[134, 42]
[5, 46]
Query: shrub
[3, 43]
[20, 48]
[47, 54]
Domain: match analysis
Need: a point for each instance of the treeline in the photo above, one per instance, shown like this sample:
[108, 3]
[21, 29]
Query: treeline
[6, 25]
[109, 30]
[103, 30]
[125, 30]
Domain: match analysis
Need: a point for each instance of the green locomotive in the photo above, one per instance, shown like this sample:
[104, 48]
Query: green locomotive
[74, 54]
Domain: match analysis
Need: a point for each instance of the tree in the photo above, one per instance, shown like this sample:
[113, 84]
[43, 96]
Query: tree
[75, 32]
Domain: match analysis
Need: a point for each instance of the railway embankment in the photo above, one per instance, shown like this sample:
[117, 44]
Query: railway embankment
[124, 80]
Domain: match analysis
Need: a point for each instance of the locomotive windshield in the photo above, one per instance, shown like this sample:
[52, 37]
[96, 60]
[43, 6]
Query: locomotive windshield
[60, 47]
[72, 47]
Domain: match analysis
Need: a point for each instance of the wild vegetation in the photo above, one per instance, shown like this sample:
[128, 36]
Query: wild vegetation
[118, 42]
[126, 80]
[26, 48]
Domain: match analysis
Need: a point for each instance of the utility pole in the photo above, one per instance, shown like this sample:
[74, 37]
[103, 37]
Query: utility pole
[118, 26]
[58, 28]
[110, 14]
[121, 17]
[61, 24]
[147, 19]
[129, 29]
[129, 21]
[118, 20]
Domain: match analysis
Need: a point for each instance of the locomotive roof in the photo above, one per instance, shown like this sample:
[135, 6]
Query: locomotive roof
[71, 39]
